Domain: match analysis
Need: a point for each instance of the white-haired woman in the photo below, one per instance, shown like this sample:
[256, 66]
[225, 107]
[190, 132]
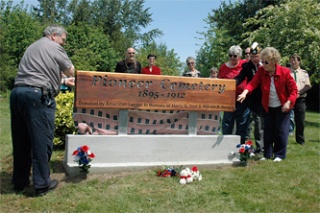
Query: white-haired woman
[192, 72]
[230, 70]
[279, 93]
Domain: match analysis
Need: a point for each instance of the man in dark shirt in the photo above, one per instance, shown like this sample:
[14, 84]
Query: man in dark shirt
[248, 71]
[130, 64]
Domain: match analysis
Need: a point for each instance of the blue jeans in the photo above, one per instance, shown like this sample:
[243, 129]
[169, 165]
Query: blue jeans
[32, 126]
[241, 115]
[292, 123]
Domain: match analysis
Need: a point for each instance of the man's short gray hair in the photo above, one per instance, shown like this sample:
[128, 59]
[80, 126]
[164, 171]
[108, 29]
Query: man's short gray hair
[54, 28]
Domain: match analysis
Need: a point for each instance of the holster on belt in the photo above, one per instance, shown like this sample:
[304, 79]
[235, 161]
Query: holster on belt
[47, 93]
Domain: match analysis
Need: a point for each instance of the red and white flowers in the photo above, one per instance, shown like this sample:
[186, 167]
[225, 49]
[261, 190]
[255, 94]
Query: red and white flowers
[83, 156]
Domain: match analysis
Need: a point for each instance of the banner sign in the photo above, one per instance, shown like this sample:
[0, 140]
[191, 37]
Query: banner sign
[153, 92]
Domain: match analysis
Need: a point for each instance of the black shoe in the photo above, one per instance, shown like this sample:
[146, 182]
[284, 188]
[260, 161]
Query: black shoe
[44, 191]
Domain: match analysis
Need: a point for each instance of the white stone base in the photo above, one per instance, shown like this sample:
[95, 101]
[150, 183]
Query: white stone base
[132, 152]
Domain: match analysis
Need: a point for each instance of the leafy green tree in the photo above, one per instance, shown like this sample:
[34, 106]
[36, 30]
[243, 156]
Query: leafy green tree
[122, 21]
[230, 17]
[52, 11]
[18, 31]
[226, 29]
[292, 27]
[81, 11]
[89, 48]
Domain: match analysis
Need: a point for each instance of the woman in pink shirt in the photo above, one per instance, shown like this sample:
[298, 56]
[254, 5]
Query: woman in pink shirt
[279, 93]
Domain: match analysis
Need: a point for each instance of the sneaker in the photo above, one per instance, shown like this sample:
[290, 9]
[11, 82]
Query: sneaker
[44, 191]
[277, 159]
[263, 158]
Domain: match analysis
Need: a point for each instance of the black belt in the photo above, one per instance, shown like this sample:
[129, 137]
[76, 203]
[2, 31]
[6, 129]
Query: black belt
[25, 85]
[45, 92]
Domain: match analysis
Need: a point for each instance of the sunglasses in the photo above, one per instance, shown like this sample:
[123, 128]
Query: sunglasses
[247, 53]
[265, 62]
[190, 63]
[233, 56]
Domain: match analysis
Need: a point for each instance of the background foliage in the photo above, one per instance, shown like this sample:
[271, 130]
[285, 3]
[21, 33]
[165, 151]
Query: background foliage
[291, 26]
[100, 32]
[64, 123]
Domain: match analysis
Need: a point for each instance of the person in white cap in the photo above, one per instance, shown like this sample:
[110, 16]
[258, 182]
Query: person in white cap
[253, 101]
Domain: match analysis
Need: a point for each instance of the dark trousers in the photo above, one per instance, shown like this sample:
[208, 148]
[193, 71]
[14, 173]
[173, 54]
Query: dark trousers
[276, 132]
[32, 124]
[299, 119]
[242, 117]
[257, 115]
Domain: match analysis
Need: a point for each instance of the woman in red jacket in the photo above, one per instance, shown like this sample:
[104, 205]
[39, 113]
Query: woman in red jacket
[151, 69]
[279, 93]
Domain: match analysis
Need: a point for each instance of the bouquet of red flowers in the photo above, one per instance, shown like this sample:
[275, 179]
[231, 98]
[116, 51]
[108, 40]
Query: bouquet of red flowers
[246, 151]
[168, 172]
[83, 156]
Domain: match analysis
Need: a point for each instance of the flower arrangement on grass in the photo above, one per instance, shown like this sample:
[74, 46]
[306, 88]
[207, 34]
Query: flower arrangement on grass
[169, 171]
[246, 151]
[83, 156]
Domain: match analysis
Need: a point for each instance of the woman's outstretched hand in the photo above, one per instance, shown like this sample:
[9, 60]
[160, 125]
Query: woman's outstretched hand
[242, 96]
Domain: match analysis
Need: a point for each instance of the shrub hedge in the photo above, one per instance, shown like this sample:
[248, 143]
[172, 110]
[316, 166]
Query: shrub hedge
[64, 123]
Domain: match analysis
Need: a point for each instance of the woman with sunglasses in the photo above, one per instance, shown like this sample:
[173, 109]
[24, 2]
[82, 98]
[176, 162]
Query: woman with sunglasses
[279, 93]
[230, 70]
[192, 72]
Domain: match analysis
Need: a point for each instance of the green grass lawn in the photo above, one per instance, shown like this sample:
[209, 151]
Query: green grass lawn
[292, 185]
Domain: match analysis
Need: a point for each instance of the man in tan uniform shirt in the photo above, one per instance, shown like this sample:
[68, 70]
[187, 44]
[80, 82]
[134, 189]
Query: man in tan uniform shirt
[303, 83]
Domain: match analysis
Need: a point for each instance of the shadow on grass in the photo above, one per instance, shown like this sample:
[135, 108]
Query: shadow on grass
[312, 124]
[6, 186]
[58, 169]
[58, 173]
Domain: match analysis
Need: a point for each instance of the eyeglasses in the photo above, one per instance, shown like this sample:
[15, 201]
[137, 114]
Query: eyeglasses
[63, 40]
[265, 62]
[131, 53]
[190, 63]
[233, 56]
[247, 53]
